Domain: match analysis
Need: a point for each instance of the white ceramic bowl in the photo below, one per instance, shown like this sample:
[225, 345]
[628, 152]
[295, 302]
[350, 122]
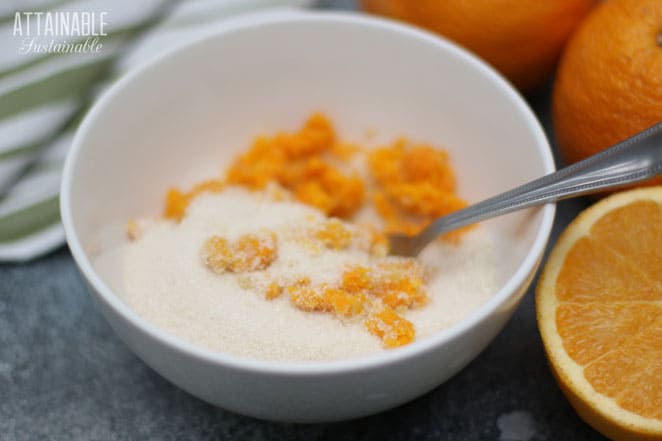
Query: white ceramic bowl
[172, 122]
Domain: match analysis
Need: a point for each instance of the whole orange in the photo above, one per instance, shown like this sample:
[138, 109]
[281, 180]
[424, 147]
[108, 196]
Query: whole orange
[520, 38]
[609, 83]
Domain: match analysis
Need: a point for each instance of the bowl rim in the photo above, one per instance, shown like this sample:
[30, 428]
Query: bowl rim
[248, 23]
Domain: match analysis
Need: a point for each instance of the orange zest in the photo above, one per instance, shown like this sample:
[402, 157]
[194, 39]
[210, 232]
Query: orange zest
[409, 185]
[334, 235]
[177, 201]
[274, 290]
[301, 163]
[393, 329]
[406, 185]
[416, 184]
[250, 252]
[344, 303]
[375, 292]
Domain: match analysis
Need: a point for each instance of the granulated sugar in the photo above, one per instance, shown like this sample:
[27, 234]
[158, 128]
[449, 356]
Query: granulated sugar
[161, 277]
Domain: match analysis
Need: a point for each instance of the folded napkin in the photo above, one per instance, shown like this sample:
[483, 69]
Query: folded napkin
[44, 93]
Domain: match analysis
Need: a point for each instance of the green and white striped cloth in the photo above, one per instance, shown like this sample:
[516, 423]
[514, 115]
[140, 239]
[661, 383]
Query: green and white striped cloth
[43, 96]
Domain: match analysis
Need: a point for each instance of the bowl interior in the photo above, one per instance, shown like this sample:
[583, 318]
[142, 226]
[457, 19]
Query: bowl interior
[178, 119]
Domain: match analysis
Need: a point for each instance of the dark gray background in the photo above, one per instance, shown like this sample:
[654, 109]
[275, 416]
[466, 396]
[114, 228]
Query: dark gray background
[64, 375]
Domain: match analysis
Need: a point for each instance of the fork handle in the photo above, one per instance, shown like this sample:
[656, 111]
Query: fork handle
[636, 159]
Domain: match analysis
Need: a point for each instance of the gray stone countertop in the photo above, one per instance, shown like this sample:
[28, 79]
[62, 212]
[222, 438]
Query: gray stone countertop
[64, 375]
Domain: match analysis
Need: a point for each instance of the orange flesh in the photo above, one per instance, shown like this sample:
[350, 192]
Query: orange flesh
[610, 306]
[409, 185]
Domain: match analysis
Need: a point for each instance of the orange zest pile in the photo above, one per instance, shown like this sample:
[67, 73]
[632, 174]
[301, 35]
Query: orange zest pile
[372, 293]
[393, 329]
[251, 252]
[406, 185]
[334, 234]
[415, 184]
[301, 163]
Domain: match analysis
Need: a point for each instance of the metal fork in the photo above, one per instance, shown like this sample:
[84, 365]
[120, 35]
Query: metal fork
[636, 159]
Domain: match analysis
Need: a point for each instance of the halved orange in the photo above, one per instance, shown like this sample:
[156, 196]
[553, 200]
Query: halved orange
[599, 307]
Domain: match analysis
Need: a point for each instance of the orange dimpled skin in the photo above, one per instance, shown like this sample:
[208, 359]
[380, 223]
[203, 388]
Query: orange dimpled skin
[521, 39]
[609, 81]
